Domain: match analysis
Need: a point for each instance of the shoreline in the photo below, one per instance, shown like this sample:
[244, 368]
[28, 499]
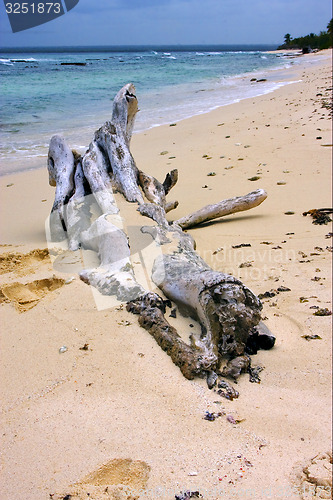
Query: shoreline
[244, 86]
[67, 414]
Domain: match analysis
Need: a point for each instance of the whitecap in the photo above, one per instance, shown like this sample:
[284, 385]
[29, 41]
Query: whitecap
[23, 59]
[6, 62]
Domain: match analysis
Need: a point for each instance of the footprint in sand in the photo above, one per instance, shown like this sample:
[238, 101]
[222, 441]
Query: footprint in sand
[27, 295]
[23, 264]
[24, 296]
[315, 478]
[118, 479]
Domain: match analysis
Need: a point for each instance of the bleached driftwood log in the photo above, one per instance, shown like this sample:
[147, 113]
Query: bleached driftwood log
[225, 308]
[223, 208]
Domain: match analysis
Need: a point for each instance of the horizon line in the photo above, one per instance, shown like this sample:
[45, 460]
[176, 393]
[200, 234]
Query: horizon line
[148, 45]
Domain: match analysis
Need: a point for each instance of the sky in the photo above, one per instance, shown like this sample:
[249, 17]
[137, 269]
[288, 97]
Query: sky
[173, 22]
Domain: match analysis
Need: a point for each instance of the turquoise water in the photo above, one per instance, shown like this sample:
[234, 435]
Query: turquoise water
[42, 96]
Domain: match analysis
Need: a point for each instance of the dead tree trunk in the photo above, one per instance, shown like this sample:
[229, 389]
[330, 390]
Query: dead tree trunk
[225, 308]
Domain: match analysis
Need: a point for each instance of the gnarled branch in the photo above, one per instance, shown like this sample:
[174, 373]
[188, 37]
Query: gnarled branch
[225, 308]
[223, 208]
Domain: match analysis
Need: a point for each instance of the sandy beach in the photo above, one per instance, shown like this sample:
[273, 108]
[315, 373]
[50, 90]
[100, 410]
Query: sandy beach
[112, 416]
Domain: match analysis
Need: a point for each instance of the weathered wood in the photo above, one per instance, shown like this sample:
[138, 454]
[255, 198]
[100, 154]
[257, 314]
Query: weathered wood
[223, 208]
[151, 309]
[154, 212]
[125, 107]
[96, 171]
[170, 180]
[60, 164]
[112, 140]
[152, 188]
[171, 205]
[236, 366]
[115, 274]
[71, 217]
[78, 208]
[225, 308]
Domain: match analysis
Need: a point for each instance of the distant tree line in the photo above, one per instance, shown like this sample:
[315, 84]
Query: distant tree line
[311, 41]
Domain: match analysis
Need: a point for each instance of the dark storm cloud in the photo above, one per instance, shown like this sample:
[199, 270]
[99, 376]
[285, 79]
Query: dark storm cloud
[130, 22]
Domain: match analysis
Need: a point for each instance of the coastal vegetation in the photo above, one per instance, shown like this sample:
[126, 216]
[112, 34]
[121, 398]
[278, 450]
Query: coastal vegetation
[311, 41]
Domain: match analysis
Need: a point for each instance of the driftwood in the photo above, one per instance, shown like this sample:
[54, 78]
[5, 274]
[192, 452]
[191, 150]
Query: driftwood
[228, 312]
[225, 207]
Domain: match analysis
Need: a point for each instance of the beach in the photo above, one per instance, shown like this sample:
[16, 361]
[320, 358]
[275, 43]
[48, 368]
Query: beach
[70, 92]
[111, 416]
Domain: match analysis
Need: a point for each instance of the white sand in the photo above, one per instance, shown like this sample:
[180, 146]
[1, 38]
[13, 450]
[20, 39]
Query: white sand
[65, 415]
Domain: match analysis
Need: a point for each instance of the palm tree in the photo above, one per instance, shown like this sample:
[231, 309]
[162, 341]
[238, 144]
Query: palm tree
[287, 39]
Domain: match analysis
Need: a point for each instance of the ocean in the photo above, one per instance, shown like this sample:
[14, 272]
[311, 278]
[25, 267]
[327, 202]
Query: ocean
[69, 91]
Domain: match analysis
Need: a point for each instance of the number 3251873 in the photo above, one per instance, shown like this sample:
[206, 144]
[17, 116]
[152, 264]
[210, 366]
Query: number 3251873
[33, 8]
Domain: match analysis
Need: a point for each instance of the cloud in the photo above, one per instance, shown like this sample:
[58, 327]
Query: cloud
[143, 4]
[140, 22]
